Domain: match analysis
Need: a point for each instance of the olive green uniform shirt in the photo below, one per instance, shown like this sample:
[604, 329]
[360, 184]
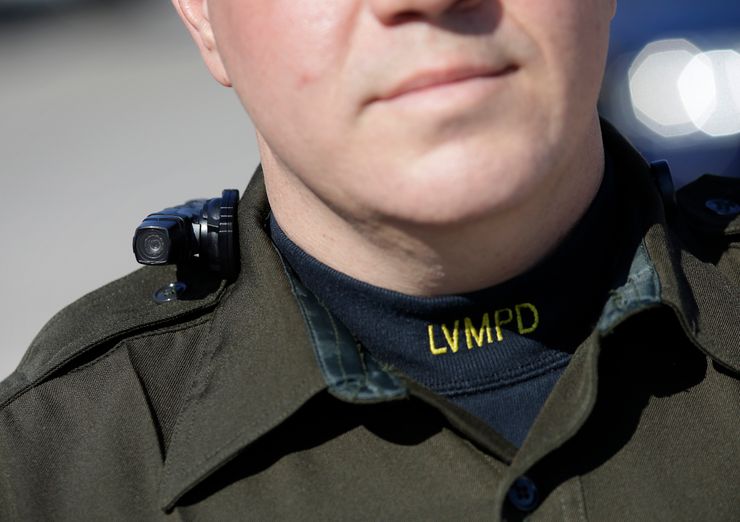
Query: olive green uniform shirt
[247, 400]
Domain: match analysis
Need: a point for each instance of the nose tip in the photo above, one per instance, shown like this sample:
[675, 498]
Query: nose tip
[391, 12]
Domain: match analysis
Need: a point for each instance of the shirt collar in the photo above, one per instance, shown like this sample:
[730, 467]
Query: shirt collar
[659, 274]
[257, 368]
[662, 273]
[260, 361]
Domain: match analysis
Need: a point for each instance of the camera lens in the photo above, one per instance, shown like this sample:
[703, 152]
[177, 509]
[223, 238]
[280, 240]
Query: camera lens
[153, 245]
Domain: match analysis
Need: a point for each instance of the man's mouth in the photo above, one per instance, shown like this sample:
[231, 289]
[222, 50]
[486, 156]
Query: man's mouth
[432, 79]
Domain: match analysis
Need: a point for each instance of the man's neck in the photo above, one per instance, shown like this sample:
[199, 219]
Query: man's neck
[439, 260]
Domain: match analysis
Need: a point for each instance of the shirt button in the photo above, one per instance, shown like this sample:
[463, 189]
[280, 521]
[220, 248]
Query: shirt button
[723, 207]
[523, 494]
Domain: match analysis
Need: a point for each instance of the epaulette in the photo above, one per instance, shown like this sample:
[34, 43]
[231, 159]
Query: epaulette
[709, 210]
[149, 298]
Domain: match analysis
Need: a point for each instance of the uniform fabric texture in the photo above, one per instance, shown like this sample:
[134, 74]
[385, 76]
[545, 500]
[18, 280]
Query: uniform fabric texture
[249, 400]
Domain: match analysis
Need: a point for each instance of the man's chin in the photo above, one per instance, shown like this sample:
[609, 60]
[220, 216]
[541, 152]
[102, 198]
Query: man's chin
[456, 186]
[449, 202]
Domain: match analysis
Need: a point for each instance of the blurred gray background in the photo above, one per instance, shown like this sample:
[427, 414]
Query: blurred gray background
[106, 115]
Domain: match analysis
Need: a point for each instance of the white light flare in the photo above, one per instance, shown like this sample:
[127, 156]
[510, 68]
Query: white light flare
[677, 90]
[698, 89]
[710, 91]
[653, 81]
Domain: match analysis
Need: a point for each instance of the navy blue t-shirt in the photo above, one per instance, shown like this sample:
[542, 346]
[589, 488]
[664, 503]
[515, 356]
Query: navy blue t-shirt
[496, 352]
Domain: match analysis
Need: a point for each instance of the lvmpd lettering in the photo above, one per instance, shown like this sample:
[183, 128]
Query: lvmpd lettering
[464, 332]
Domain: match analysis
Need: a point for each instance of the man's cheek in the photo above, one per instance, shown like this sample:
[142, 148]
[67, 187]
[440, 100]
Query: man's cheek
[536, 18]
[293, 43]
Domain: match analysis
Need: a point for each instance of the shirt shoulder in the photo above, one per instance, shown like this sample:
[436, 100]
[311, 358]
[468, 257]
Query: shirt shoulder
[97, 322]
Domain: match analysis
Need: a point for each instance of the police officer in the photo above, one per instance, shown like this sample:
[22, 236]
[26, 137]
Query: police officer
[461, 296]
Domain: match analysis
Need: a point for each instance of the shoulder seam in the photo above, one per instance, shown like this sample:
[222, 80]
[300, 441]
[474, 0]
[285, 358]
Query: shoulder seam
[124, 338]
[93, 297]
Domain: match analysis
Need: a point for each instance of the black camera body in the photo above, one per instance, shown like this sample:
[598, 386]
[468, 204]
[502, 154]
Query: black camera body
[201, 230]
